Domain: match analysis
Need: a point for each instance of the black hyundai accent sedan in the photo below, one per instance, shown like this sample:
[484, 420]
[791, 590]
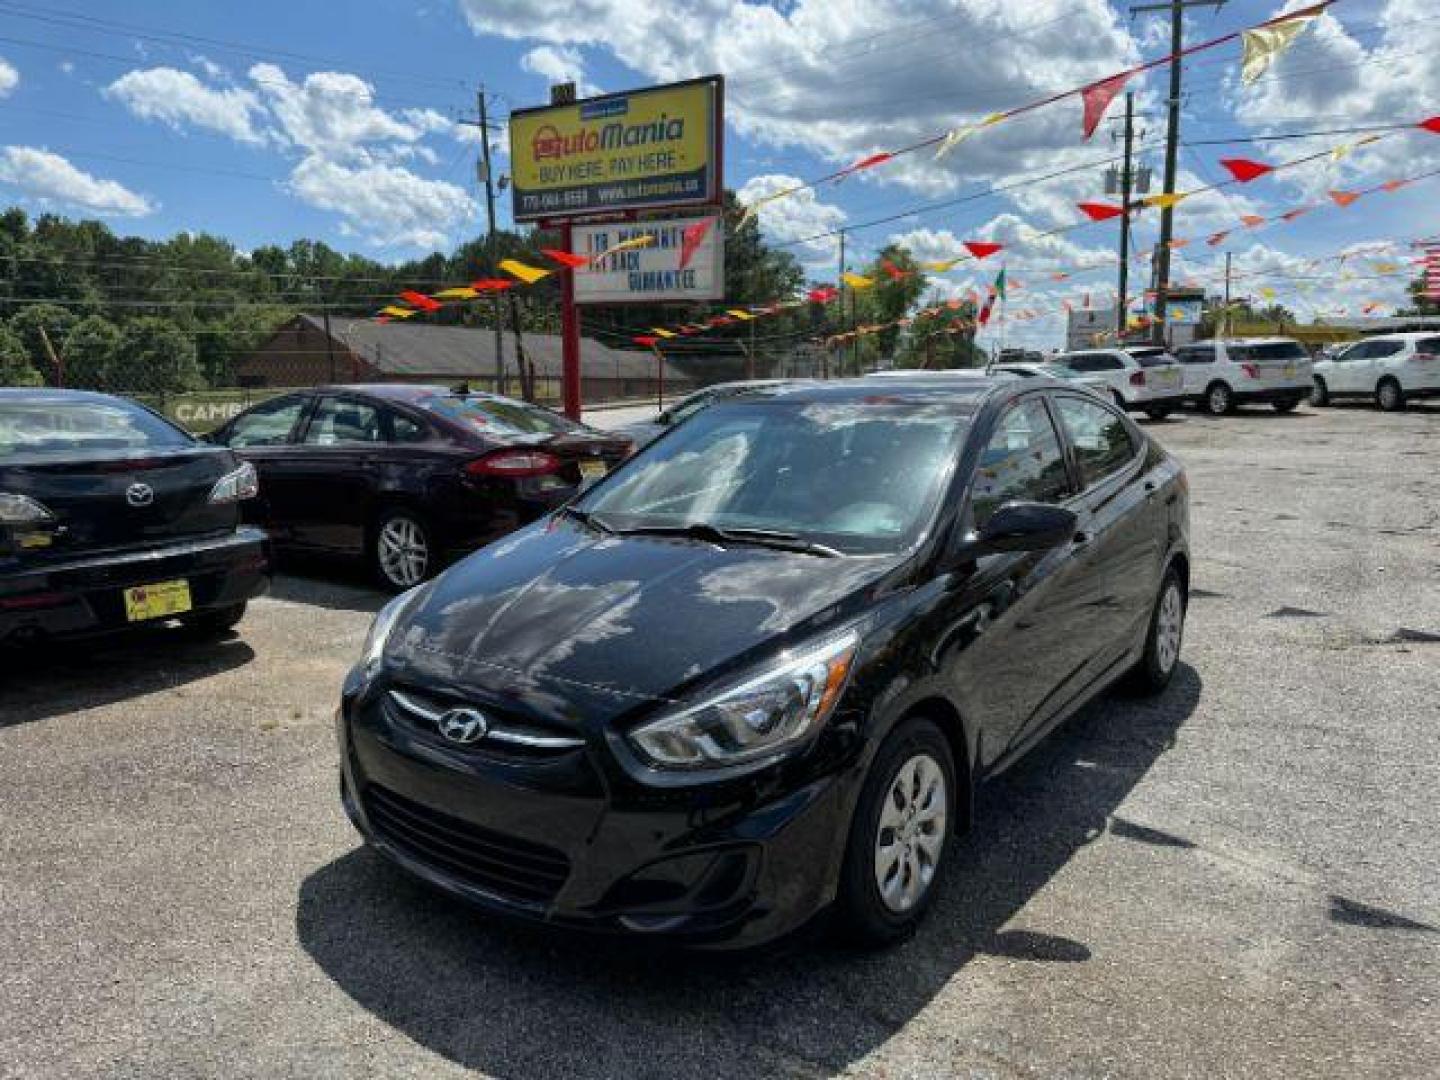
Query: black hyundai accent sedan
[406, 477]
[110, 516]
[760, 670]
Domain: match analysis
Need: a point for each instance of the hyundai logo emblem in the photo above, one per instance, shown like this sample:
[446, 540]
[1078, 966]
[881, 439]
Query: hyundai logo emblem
[463, 726]
[139, 495]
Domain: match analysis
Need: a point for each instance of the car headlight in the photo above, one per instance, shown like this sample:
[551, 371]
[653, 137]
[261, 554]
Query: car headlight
[379, 636]
[759, 717]
[243, 483]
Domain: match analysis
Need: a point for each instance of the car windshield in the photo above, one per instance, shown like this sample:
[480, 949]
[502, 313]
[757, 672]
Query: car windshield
[495, 415]
[63, 427]
[1275, 350]
[861, 476]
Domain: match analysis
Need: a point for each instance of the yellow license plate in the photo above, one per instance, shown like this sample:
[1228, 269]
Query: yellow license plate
[157, 601]
[592, 470]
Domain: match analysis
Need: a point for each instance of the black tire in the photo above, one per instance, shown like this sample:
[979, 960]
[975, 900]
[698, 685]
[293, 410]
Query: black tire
[1389, 396]
[214, 622]
[1219, 400]
[395, 571]
[864, 916]
[1320, 394]
[1284, 405]
[1158, 412]
[1157, 664]
[1119, 400]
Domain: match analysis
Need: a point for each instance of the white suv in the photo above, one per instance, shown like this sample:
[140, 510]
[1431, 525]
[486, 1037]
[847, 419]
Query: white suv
[1391, 368]
[1226, 372]
[1141, 379]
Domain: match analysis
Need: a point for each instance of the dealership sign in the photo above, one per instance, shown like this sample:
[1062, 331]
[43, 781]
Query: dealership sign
[647, 148]
[660, 270]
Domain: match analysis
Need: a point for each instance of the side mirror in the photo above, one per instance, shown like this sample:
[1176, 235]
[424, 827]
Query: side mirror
[1027, 526]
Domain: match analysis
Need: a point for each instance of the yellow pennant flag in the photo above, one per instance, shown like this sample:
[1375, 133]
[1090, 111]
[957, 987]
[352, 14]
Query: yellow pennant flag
[1165, 201]
[942, 265]
[464, 292]
[397, 312]
[528, 274]
[625, 245]
[753, 208]
[658, 332]
[955, 136]
[1386, 267]
[1263, 44]
[856, 281]
[740, 314]
[1268, 293]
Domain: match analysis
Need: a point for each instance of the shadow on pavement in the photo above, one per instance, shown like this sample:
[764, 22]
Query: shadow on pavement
[338, 585]
[40, 681]
[517, 1001]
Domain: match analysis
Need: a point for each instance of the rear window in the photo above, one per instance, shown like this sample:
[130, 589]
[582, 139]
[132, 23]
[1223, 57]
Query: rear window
[497, 416]
[1153, 357]
[1428, 345]
[1277, 350]
[56, 427]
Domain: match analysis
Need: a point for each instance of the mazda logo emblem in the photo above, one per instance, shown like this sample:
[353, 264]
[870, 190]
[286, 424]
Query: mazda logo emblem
[139, 495]
[463, 726]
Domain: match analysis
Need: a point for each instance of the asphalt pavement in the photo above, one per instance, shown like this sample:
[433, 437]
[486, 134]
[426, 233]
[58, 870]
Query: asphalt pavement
[1239, 879]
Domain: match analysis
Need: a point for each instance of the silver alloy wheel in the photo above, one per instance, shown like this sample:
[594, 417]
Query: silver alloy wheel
[404, 553]
[1169, 625]
[911, 834]
[1219, 400]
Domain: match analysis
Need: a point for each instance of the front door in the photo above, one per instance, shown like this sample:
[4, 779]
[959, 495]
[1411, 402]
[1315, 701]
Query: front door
[336, 466]
[264, 436]
[1197, 362]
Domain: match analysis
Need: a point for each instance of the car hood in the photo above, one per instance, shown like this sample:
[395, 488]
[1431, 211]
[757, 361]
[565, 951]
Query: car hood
[583, 626]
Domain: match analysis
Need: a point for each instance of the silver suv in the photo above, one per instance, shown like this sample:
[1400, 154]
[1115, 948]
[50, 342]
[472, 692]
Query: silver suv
[1140, 378]
[1227, 372]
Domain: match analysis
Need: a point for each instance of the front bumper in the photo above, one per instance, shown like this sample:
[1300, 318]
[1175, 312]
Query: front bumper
[561, 840]
[85, 595]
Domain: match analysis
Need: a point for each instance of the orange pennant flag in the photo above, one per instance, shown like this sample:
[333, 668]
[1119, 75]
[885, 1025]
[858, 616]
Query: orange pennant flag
[564, 258]
[418, 300]
[1393, 185]
[1344, 198]
[1251, 221]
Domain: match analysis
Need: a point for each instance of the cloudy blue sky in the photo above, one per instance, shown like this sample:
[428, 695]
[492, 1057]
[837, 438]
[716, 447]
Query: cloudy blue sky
[267, 121]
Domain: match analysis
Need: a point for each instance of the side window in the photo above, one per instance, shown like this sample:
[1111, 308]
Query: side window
[1385, 348]
[405, 430]
[341, 422]
[1428, 346]
[1101, 440]
[1196, 354]
[1085, 362]
[269, 424]
[1022, 461]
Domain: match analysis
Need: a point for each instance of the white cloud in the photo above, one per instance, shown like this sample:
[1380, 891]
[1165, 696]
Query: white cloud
[9, 77]
[332, 113]
[559, 64]
[179, 99]
[796, 217]
[50, 178]
[387, 204]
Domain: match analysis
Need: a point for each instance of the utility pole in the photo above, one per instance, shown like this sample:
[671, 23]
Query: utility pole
[1176, 8]
[825, 362]
[1126, 176]
[1225, 312]
[489, 179]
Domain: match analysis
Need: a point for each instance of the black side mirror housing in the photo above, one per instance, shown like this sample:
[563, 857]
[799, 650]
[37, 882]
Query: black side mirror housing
[1026, 526]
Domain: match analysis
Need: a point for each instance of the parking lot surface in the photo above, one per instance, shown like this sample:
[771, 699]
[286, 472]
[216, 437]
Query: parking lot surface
[1241, 878]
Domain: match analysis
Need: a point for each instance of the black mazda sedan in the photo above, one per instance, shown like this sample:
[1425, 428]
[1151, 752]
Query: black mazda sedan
[110, 516]
[407, 477]
[759, 671]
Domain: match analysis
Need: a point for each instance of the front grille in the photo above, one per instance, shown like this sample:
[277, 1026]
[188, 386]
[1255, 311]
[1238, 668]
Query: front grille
[498, 864]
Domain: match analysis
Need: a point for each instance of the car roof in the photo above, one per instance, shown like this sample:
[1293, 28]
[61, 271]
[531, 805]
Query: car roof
[1248, 341]
[1397, 335]
[48, 395]
[968, 394]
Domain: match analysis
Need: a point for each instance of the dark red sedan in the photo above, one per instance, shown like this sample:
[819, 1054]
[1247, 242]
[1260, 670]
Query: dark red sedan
[409, 477]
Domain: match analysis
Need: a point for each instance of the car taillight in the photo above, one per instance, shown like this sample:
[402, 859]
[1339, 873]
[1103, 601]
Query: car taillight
[1426, 356]
[514, 463]
[1251, 371]
[1137, 378]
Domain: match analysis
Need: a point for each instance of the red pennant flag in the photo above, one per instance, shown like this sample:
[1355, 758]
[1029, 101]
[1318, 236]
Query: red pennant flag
[1432, 125]
[419, 300]
[1344, 198]
[869, 162]
[648, 340]
[982, 248]
[1395, 185]
[721, 320]
[1252, 220]
[1100, 211]
[564, 258]
[1215, 239]
[382, 318]
[692, 238]
[1291, 215]
[491, 284]
[822, 295]
[896, 274]
[1097, 98]
[1245, 170]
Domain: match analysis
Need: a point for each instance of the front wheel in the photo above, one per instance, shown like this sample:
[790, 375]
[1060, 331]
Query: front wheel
[1389, 396]
[401, 550]
[1320, 394]
[898, 837]
[1162, 641]
[1219, 401]
[1285, 404]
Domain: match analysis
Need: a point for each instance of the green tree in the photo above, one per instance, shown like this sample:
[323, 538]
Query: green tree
[90, 350]
[899, 284]
[943, 340]
[15, 367]
[33, 323]
[1420, 304]
[154, 356]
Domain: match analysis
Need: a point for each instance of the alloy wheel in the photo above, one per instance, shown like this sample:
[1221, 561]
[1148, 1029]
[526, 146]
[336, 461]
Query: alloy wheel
[911, 833]
[1169, 626]
[404, 552]
[1218, 400]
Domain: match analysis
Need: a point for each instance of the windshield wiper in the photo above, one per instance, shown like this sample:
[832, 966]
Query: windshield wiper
[723, 535]
[585, 517]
